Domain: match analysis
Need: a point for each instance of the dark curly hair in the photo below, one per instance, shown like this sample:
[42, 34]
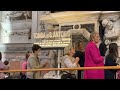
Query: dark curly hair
[35, 47]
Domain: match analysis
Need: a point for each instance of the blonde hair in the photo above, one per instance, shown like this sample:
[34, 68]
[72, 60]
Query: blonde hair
[67, 53]
[92, 35]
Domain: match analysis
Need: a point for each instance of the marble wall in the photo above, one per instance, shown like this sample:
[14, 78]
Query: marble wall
[19, 26]
[16, 32]
[16, 26]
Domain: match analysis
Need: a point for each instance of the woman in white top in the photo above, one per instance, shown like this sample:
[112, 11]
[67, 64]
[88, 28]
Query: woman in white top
[69, 61]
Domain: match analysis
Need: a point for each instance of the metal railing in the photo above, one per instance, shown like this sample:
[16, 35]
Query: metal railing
[56, 69]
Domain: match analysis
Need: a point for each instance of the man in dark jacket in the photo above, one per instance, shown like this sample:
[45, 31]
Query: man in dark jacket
[80, 53]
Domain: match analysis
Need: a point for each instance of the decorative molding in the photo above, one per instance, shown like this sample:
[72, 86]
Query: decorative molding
[77, 32]
[110, 16]
[17, 15]
[70, 16]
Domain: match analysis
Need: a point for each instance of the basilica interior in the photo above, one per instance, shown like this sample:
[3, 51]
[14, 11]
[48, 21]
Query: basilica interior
[54, 31]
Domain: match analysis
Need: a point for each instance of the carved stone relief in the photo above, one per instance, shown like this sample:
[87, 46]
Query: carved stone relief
[16, 26]
[112, 30]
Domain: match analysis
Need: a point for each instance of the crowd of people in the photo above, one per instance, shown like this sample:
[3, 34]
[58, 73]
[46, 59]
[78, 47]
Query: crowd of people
[90, 56]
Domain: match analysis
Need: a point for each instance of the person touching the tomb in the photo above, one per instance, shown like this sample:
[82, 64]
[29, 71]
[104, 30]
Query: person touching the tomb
[34, 63]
